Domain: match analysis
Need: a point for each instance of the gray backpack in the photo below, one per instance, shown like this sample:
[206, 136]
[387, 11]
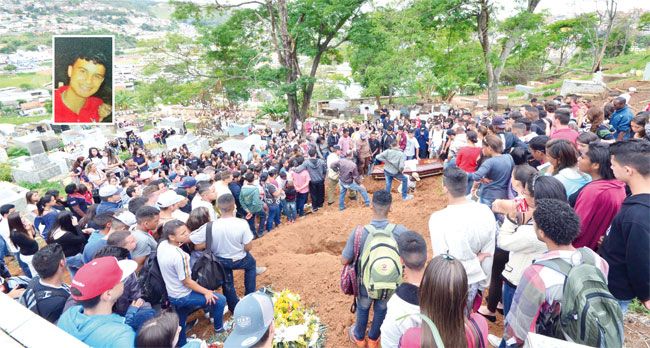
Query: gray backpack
[589, 315]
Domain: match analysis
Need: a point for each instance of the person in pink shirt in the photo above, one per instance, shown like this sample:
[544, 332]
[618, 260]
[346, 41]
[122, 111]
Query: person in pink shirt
[561, 126]
[301, 182]
[345, 143]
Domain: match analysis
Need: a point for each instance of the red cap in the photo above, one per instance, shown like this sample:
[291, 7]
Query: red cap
[100, 275]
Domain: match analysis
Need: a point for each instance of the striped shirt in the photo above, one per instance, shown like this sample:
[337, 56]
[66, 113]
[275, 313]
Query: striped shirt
[539, 294]
[175, 267]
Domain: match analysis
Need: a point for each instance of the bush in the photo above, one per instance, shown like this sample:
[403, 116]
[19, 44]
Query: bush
[5, 172]
[15, 151]
[44, 186]
[124, 155]
[549, 93]
[516, 94]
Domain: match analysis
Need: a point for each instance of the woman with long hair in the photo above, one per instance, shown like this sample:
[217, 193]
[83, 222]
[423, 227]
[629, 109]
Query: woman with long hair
[638, 124]
[22, 236]
[32, 197]
[599, 201]
[467, 156]
[563, 157]
[140, 159]
[46, 218]
[443, 297]
[596, 116]
[96, 157]
[517, 234]
[69, 236]
[112, 163]
[77, 170]
[494, 172]
[96, 176]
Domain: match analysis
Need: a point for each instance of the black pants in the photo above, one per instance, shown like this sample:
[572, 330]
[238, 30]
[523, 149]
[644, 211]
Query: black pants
[317, 192]
[494, 295]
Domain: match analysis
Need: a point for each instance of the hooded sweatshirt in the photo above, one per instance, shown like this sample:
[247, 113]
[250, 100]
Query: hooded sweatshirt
[393, 160]
[597, 205]
[316, 168]
[97, 330]
[250, 200]
[625, 249]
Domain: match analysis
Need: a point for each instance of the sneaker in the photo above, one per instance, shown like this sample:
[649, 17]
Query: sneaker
[408, 197]
[494, 340]
[357, 343]
[260, 270]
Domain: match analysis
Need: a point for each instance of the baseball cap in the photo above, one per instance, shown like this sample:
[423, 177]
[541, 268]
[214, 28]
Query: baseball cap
[146, 175]
[499, 122]
[253, 316]
[168, 198]
[126, 217]
[188, 182]
[109, 190]
[100, 275]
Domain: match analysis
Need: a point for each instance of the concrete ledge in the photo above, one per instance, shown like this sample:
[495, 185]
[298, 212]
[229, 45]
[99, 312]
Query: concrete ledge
[20, 327]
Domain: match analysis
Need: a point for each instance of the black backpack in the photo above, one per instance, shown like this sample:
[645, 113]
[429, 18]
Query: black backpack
[207, 270]
[151, 281]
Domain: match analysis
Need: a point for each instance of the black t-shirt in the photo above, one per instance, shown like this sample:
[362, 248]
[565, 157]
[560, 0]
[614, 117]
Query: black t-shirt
[26, 245]
[192, 163]
[77, 201]
[44, 300]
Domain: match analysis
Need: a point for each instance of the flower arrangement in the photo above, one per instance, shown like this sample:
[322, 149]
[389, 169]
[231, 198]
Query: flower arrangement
[295, 326]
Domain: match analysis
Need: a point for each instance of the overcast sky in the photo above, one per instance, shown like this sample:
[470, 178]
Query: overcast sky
[569, 8]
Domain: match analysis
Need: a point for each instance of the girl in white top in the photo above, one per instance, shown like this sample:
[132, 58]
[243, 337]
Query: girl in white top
[31, 210]
[185, 294]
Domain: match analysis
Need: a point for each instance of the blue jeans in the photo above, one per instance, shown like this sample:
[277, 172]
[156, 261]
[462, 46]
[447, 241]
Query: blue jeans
[508, 294]
[301, 199]
[249, 266]
[624, 304]
[23, 266]
[354, 187]
[184, 306]
[260, 228]
[274, 216]
[140, 316]
[363, 311]
[73, 263]
[291, 211]
[401, 177]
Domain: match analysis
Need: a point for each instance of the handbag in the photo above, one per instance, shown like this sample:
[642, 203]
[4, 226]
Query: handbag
[349, 282]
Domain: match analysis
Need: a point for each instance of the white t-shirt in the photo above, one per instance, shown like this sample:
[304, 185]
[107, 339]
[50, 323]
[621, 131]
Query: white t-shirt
[174, 267]
[411, 145]
[198, 202]
[229, 236]
[221, 188]
[180, 215]
[464, 231]
[4, 232]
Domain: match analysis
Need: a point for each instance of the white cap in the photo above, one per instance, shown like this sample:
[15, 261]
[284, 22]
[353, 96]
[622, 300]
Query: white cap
[109, 190]
[168, 198]
[126, 217]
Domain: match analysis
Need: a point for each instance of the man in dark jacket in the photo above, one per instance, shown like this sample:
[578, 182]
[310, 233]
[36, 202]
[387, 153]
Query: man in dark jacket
[625, 247]
[510, 141]
[317, 170]
[333, 138]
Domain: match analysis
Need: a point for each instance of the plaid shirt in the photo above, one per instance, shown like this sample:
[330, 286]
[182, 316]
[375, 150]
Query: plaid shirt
[538, 296]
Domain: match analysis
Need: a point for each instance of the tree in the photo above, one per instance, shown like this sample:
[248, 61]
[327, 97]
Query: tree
[309, 28]
[600, 45]
[518, 25]
[10, 68]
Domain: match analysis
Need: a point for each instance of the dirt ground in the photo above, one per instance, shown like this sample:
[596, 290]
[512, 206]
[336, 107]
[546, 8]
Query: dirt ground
[305, 258]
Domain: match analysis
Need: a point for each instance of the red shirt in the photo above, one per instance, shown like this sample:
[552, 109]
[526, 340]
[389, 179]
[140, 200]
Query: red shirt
[467, 157]
[567, 134]
[88, 113]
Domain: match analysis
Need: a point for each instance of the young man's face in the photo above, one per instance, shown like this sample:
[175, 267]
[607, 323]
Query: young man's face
[620, 172]
[86, 77]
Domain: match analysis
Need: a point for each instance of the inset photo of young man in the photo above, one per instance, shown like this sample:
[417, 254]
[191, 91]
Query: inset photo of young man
[83, 81]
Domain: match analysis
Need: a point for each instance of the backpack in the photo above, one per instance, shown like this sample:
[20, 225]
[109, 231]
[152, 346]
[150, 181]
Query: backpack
[151, 281]
[381, 267]
[589, 315]
[208, 271]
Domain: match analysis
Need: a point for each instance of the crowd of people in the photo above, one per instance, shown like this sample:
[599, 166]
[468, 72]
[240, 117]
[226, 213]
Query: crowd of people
[532, 193]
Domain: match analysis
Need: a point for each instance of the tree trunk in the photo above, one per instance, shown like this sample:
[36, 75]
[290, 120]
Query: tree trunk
[611, 13]
[288, 61]
[309, 88]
